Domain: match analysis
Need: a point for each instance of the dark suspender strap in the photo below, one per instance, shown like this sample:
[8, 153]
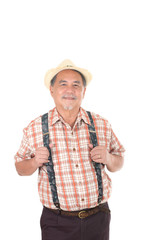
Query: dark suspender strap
[93, 138]
[49, 166]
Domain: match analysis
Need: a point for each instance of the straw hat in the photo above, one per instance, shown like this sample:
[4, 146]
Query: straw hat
[66, 64]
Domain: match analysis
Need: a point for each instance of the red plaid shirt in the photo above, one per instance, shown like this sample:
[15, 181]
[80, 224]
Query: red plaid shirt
[76, 179]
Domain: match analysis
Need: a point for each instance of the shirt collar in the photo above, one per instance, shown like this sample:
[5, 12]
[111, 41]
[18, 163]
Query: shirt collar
[82, 115]
[54, 116]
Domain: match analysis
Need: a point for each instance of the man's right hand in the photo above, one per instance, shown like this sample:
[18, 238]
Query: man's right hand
[28, 167]
[41, 156]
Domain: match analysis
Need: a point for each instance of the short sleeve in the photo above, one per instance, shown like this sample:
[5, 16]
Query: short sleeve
[24, 152]
[115, 146]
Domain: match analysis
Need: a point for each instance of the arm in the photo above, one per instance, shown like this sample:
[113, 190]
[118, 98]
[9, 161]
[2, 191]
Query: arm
[114, 162]
[28, 167]
[112, 156]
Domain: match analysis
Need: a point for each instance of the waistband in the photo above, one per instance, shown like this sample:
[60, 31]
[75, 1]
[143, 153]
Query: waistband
[82, 213]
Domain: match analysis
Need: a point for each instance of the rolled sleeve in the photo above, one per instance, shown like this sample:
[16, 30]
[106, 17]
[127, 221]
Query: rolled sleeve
[115, 146]
[24, 152]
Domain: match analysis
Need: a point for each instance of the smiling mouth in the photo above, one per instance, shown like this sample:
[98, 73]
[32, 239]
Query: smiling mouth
[69, 98]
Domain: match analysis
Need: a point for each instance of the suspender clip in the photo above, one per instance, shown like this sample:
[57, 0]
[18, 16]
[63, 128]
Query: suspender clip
[92, 131]
[47, 133]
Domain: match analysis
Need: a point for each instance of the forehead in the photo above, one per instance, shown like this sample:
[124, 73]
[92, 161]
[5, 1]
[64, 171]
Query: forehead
[69, 75]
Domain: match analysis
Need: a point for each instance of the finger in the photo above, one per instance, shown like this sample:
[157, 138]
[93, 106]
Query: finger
[97, 148]
[43, 155]
[96, 157]
[98, 160]
[51, 145]
[97, 152]
[100, 150]
[41, 161]
[42, 149]
[90, 145]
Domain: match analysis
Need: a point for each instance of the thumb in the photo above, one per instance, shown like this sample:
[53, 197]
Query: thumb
[90, 146]
[51, 145]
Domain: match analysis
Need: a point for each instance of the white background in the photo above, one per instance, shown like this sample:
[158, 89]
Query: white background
[119, 43]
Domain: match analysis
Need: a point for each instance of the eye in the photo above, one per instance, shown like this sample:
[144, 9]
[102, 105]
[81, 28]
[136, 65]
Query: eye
[76, 85]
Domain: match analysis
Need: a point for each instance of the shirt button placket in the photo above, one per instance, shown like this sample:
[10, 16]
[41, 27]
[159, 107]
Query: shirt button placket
[74, 151]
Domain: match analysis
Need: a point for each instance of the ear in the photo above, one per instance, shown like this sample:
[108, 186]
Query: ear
[84, 92]
[51, 90]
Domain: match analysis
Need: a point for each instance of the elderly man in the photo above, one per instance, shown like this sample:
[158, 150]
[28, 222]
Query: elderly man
[72, 149]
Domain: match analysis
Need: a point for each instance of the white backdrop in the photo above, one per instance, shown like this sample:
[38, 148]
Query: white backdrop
[118, 42]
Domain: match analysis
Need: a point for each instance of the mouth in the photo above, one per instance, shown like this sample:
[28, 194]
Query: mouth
[69, 97]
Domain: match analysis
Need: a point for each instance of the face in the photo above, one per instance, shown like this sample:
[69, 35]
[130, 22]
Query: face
[68, 90]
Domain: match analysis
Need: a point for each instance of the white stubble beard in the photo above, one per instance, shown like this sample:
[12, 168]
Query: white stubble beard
[69, 108]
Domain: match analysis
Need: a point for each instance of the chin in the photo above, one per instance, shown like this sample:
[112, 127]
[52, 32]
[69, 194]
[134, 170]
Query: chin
[68, 108]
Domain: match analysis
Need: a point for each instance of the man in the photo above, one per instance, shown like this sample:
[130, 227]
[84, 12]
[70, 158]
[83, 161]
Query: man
[72, 149]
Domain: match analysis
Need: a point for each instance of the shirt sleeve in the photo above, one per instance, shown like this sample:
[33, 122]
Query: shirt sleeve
[115, 146]
[24, 152]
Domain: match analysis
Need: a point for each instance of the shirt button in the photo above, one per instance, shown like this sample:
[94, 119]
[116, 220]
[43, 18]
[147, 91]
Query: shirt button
[82, 199]
[74, 149]
[77, 165]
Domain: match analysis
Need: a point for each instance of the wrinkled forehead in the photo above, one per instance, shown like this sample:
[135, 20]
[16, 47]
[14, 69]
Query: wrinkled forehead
[69, 74]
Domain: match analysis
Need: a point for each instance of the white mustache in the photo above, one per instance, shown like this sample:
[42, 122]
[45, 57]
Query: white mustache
[69, 96]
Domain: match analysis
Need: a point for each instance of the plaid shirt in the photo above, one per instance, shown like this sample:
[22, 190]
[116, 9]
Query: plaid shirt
[76, 179]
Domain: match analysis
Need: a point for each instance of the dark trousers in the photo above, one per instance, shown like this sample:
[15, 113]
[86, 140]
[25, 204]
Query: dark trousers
[58, 227]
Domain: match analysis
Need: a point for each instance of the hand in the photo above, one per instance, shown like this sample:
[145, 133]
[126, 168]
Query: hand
[41, 156]
[99, 154]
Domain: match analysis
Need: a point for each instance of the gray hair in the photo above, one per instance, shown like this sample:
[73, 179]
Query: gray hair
[83, 78]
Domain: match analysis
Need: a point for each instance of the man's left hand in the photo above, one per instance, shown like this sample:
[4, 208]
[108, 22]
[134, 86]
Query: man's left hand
[99, 154]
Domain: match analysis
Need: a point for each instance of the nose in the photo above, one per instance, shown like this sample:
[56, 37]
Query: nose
[70, 89]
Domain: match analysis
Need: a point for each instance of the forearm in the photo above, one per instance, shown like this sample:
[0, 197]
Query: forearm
[114, 163]
[26, 167]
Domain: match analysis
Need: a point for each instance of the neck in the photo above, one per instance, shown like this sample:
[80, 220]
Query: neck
[69, 116]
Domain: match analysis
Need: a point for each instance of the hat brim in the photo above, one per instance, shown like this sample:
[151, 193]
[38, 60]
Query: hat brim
[52, 72]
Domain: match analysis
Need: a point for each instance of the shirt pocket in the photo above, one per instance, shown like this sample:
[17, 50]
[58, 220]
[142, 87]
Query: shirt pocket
[85, 151]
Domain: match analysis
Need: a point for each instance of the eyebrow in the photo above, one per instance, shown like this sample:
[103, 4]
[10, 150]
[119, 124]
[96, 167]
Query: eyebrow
[77, 82]
[64, 81]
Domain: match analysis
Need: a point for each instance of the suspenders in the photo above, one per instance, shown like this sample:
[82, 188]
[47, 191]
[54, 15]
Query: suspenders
[97, 166]
[50, 166]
